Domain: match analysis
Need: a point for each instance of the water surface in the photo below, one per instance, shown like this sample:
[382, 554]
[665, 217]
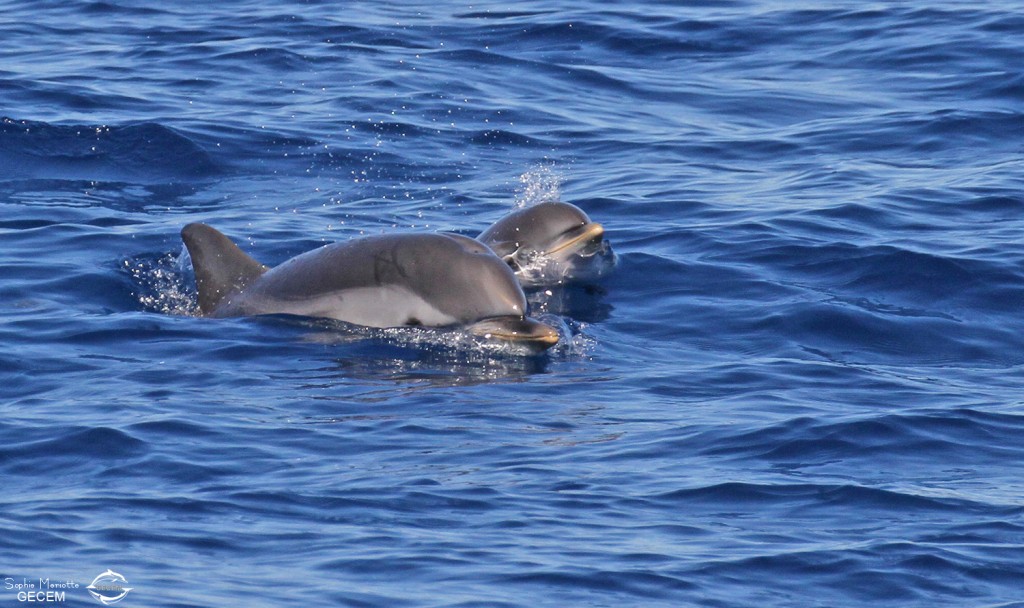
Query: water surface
[801, 386]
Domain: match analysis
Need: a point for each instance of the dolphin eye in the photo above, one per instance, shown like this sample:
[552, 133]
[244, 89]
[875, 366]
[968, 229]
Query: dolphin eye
[573, 228]
[413, 322]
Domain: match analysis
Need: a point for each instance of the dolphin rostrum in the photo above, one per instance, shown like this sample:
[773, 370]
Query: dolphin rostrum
[433, 280]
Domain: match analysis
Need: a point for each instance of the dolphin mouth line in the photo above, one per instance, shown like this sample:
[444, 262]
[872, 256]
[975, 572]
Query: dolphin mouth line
[517, 331]
[545, 338]
[585, 233]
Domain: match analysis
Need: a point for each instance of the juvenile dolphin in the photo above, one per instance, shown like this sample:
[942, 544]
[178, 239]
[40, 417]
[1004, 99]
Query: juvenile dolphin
[434, 280]
[550, 243]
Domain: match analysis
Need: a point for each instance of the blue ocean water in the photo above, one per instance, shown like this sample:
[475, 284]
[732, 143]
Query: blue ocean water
[800, 387]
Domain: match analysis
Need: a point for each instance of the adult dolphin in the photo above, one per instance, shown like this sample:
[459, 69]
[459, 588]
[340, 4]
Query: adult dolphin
[434, 280]
[550, 243]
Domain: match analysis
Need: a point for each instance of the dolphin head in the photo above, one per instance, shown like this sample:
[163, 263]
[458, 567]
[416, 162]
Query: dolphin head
[525, 332]
[464, 280]
[549, 243]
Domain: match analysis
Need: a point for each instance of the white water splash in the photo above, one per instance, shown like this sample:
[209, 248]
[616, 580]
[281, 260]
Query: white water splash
[573, 343]
[536, 268]
[456, 341]
[161, 285]
[457, 344]
[540, 184]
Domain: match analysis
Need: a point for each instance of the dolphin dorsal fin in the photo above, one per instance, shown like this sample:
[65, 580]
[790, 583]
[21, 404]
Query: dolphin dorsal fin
[221, 267]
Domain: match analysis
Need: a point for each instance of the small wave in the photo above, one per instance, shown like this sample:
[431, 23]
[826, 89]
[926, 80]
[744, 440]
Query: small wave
[136, 153]
[637, 584]
[502, 14]
[276, 58]
[107, 9]
[85, 445]
[584, 303]
[970, 435]
[848, 330]
[903, 274]
[492, 137]
[814, 497]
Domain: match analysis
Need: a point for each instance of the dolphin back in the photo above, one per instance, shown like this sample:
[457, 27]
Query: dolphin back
[221, 268]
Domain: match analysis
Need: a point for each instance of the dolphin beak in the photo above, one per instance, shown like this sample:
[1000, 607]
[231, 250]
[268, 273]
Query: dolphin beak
[517, 330]
[578, 237]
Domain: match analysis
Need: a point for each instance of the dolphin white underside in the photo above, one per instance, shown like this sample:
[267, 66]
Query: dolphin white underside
[385, 306]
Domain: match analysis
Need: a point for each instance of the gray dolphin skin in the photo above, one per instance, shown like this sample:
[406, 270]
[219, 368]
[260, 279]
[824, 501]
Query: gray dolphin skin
[549, 243]
[434, 280]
